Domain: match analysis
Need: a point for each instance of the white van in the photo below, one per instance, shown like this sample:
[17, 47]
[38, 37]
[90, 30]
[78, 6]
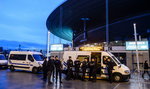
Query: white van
[3, 61]
[120, 72]
[25, 60]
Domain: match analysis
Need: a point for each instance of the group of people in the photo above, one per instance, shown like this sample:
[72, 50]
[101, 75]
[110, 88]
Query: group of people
[75, 69]
[81, 67]
[52, 67]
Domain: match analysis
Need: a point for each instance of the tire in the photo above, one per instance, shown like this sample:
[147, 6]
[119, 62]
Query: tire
[12, 68]
[117, 77]
[34, 70]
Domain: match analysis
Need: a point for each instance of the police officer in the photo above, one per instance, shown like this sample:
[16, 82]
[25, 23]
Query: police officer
[58, 67]
[69, 68]
[84, 66]
[45, 69]
[94, 69]
[92, 66]
[77, 64]
[50, 68]
[109, 69]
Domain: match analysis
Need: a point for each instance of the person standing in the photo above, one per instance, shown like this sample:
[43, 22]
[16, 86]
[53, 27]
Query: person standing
[45, 69]
[94, 70]
[69, 68]
[58, 67]
[110, 69]
[92, 73]
[145, 69]
[53, 71]
[77, 64]
[84, 67]
[50, 68]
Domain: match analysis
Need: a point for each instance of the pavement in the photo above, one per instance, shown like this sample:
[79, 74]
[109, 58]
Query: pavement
[28, 80]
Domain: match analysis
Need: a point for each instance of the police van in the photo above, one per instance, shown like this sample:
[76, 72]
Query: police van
[3, 61]
[120, 72]
[25, 60]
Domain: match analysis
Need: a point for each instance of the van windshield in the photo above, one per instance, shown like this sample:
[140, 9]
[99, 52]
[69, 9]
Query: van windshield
[38, 57]
[116, 59]
[2, 57]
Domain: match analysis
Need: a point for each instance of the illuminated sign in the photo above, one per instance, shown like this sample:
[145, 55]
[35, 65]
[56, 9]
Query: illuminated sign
[95, 48]
[56, 47]
[142, 45]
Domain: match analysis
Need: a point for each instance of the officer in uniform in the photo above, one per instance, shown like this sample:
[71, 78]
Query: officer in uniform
[53, 71]
[45, 69]
[77, 64]
[110, 68]
[58, 67]
[50, 68]
[84, 66]
[69, 68]
[92, 72]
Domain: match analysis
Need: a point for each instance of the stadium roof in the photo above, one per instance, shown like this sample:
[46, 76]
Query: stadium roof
[66, 19]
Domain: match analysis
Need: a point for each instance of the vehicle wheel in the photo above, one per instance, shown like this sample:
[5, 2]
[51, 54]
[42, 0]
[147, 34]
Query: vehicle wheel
[12, 68]
[117, 77]
[34, 70]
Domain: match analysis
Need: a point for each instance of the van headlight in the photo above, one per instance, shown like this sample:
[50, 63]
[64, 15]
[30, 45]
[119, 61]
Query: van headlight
[127, 71]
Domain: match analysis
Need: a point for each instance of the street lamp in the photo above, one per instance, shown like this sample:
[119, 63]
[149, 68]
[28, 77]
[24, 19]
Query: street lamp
[84, 25]
[107, 23]
[137, 56]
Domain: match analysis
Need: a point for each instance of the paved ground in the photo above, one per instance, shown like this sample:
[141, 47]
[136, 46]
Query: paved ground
[27, 80]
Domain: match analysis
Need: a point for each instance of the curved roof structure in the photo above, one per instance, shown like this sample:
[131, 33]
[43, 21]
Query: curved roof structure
[66, 19]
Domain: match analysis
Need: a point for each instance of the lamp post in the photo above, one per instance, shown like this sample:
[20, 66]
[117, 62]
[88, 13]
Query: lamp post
[107, 23]
[137, 56]
[84, 27]
[48, 44]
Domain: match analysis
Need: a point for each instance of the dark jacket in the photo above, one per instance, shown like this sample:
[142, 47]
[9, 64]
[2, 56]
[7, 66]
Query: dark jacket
[45, 65]
[69, 63]
[50, 65]
[92, 64]
[110, 66]
[58, 64]
[84, 65]
[145, 65]
[77, 63]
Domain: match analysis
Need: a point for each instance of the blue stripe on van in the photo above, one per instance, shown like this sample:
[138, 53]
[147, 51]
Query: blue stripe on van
[19, 64]
[65, 64]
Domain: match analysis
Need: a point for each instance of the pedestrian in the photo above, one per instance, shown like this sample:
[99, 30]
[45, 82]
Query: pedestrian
[92, 71]
[50, 68]
[145, 69]
[77, 64]
[110, 69]
[58, 67]
[84, 66]
[45, 69]
[69, 68]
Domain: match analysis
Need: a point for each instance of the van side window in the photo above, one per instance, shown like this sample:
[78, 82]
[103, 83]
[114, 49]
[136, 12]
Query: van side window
[17, 57]
[81, 57]
[105, 59]
[30, 58]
